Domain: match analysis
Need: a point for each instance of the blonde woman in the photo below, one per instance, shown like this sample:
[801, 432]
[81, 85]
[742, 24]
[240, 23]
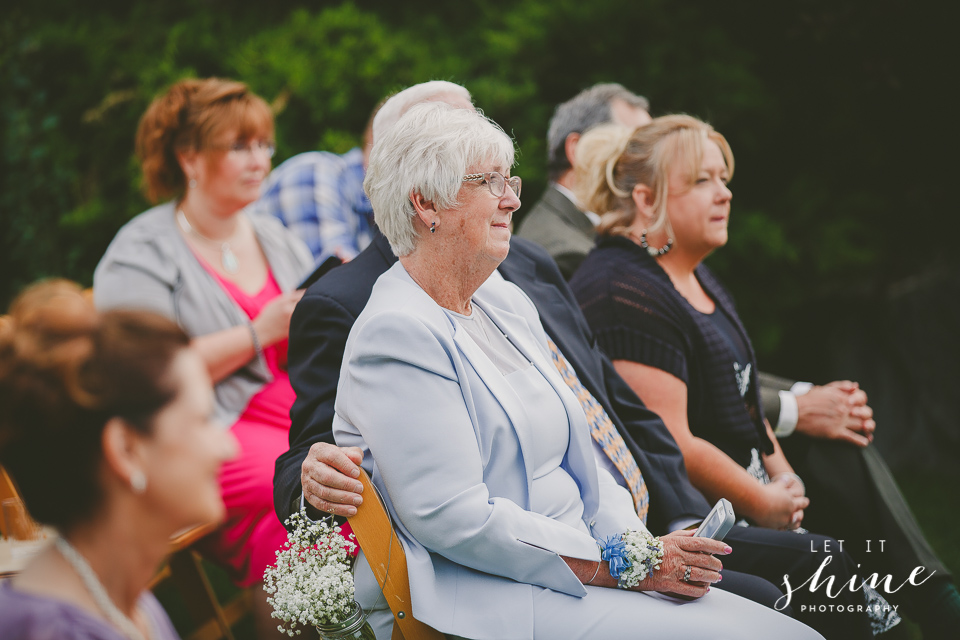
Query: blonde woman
[668, 324]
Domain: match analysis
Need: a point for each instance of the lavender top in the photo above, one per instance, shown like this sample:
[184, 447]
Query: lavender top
[26, 616]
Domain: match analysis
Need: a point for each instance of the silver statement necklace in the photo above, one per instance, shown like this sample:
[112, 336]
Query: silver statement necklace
[96, 589]
[228, 259]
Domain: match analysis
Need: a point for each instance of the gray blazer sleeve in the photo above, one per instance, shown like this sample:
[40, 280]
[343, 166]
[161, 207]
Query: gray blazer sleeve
[770, 388]
[137, 273]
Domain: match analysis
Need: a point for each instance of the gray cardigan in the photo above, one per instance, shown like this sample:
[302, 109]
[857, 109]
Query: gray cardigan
[150, 266]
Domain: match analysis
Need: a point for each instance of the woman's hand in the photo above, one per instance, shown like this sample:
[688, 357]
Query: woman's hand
[682, 550]
[783, 504]
[273, 323]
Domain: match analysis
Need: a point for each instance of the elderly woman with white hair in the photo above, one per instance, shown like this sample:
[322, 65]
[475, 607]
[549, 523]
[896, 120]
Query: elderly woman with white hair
[479, 447]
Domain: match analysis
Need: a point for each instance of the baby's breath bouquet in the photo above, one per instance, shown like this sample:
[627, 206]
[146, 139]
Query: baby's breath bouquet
[311, 584]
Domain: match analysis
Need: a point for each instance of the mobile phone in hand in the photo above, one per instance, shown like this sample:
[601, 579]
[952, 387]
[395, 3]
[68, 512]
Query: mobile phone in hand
[719, 522]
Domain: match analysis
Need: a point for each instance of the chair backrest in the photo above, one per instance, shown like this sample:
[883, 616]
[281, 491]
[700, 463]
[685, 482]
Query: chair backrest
[388, 561]
[8, 489]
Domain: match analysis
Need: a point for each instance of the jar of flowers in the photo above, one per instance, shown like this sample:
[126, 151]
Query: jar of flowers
[311, 583]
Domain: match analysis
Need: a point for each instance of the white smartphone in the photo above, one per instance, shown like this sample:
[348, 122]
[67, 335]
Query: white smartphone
[719, 522]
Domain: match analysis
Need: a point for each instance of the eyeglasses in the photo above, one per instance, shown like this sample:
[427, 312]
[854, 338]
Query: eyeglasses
[496, 182]
[247, 148]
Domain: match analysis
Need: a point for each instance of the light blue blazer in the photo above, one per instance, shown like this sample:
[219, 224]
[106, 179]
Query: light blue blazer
[447, 442]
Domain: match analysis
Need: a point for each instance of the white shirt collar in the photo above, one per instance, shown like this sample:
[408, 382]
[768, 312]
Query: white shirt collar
[591, 216]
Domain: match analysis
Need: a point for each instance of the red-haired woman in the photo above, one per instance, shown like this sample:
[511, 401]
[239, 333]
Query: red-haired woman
[228, 279]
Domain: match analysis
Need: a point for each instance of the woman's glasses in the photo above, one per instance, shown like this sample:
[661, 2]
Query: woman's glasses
[496, 182]
[248, 148]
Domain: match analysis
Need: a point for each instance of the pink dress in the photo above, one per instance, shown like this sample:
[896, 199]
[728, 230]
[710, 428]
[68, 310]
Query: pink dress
[247, 542]
[250, 536]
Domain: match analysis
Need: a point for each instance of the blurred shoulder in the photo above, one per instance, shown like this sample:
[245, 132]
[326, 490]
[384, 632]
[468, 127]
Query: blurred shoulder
[148, 242]
[156, 222]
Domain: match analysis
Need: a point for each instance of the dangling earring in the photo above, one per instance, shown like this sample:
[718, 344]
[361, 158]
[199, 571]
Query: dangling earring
[138, 481]
[662, 251]
[433, 227]
[193, 183]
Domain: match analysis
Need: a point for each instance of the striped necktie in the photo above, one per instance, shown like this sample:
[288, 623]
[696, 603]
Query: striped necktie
[603, 431]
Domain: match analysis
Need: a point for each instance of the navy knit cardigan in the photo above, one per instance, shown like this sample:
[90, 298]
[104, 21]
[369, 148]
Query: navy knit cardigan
[638, 315]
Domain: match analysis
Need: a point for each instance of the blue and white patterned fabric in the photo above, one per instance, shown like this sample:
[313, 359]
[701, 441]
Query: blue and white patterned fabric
[319, 196]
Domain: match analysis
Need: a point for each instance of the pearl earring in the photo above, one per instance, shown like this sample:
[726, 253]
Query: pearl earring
[138, 481]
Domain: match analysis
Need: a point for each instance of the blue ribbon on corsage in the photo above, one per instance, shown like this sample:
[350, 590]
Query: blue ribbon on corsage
[615, 552]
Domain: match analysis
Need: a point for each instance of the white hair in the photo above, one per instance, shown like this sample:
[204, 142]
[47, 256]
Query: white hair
[399, 103]
[428, 151]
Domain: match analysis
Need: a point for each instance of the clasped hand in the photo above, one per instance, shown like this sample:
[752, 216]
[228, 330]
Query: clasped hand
[784, 503]
[837, 411]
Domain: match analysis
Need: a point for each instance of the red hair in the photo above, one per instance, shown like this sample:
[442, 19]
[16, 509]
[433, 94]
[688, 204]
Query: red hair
[192, 114]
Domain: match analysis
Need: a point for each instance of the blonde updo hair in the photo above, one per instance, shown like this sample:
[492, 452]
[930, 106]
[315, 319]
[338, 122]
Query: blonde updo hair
[612, 160]
[65, 371]
[191, 115]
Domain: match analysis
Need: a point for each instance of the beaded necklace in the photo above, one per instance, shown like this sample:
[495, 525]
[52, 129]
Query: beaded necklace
[228, 259]
[96, 589]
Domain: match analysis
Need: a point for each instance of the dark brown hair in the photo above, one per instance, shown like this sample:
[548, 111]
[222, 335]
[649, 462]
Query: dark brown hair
[192, 114]
[65, 371]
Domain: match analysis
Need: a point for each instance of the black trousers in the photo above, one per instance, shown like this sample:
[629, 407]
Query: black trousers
[784, 557]
[753, 588]
[854, 498]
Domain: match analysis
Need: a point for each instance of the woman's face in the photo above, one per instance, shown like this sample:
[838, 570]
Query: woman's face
[699, 212]
[480, 225]
[232, 170]
[183, 454]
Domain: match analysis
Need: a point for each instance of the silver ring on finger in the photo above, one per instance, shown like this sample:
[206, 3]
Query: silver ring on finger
[686, 574]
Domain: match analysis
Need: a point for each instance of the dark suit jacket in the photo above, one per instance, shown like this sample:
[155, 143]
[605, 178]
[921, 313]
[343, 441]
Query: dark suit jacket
[318, 334]
[557, 225]
[770, 387]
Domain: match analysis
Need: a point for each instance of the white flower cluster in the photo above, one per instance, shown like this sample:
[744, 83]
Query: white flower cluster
[311, 583]
[644, 553]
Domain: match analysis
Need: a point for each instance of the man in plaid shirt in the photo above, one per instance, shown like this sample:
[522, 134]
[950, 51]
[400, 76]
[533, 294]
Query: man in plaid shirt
[319, 196]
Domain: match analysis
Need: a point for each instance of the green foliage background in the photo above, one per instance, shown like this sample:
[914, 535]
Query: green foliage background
[832, 108]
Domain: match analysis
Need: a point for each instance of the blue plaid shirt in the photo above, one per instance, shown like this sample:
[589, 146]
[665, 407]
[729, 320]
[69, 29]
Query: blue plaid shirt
[319, 196]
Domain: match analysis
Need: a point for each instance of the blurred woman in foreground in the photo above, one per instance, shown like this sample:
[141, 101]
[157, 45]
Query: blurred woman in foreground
[106, 425]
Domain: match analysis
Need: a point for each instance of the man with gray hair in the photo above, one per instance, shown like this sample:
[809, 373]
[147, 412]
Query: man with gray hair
[556, 222]
[433, 91]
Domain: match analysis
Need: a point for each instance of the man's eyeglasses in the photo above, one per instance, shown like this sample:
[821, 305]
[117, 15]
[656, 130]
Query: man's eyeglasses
[496, 182]
[239, 148]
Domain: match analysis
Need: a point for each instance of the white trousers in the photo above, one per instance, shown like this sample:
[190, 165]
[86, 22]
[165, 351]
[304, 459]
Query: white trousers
[613, 614]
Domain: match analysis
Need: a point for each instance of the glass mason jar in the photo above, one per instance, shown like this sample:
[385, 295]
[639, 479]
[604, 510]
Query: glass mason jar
[354, 627]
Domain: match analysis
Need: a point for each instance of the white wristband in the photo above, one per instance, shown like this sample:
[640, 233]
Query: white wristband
[789, 414]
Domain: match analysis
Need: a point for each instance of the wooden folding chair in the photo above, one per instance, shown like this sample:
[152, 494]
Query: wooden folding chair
[7, 490]
[388, 561]
[185, 568]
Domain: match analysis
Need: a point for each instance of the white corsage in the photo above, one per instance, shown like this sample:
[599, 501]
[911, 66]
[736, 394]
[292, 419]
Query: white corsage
[311, 584]
[632, 556]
